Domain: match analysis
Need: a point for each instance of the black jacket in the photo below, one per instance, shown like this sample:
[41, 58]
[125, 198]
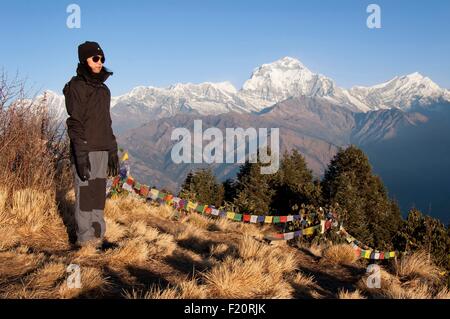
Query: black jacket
[88, 102]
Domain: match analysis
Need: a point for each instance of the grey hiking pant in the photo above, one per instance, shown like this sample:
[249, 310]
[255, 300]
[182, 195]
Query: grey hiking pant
[90, 197]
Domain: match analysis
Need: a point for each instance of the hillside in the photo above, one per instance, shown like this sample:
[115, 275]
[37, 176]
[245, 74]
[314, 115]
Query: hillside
[154, 252]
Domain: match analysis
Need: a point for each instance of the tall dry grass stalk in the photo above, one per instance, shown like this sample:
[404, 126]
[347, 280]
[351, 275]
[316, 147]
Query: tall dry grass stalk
[406, 283]
[340, 254]
[197, 220]
[417, 265]
[236, 278]
[345, 294]
[33, 208]
[186, 289]
[251, 248]
[4, 216]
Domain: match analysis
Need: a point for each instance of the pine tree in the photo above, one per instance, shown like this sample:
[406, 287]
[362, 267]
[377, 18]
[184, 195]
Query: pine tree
[253, 190]
[229, 187]
[370, 215]
[293, 184]
[352, 208]
[425, 233]
[201, 186]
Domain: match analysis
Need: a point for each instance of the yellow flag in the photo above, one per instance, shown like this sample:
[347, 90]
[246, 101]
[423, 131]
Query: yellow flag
[308, 231]
[191, 205]
[392, 254]
[268, 219]
[230, 215]
[125, 156]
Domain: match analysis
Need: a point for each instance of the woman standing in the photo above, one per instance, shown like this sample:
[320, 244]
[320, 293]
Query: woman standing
[93, 146]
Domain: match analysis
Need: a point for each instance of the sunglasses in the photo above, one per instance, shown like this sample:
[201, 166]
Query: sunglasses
[97, 58]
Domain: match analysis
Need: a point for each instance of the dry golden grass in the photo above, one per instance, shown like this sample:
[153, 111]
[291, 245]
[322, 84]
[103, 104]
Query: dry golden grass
[303, 280]
[27, 276]
[387, 282]
[248, 229]
[93, 285]
[221, 224]
[417, 291]
[88, 256]
[47, 276]
[113, 210]
[18, 262]
[316, 250]
[129, 252]
[197, 220]
[190, 289]
[345, 294]
[114, 231]
[33, 207]
[154, 292]
[250, 248]
[159, 244]
[219, 250]
[417, 265]
[444, 293]
[4, 218]
[32, 219]
[186, 289]
[163, 211]
[188, 232]
[8, 237]
[236, 278]
[340, 254]
[193, 238]
[124, 209]
[407, 287]
[139, 229]
[304, 286]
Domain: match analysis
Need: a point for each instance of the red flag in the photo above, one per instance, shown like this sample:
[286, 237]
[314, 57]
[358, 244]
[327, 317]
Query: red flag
[144, 190]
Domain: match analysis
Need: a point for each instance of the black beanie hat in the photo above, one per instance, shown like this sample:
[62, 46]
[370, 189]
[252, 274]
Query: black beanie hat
[88, 49]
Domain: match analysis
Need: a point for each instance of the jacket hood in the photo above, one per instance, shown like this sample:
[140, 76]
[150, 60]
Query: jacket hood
[84, 71]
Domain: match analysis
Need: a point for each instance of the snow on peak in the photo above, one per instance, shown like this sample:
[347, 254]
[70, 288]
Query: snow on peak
[401, 92]
[282, 70]
[415, 76]
[224, 86]
[286, 62]
[285, 78]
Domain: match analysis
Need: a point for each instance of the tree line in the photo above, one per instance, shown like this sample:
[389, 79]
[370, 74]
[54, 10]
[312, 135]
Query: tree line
[364, 206]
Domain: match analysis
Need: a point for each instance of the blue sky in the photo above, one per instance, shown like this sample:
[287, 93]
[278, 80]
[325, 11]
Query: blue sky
[160, 43]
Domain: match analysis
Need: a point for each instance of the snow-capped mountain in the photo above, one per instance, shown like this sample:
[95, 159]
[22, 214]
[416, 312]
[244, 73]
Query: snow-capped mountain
[288, 77]
[269, 84]
[402, 92]
[56, 103]
[204, 98]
